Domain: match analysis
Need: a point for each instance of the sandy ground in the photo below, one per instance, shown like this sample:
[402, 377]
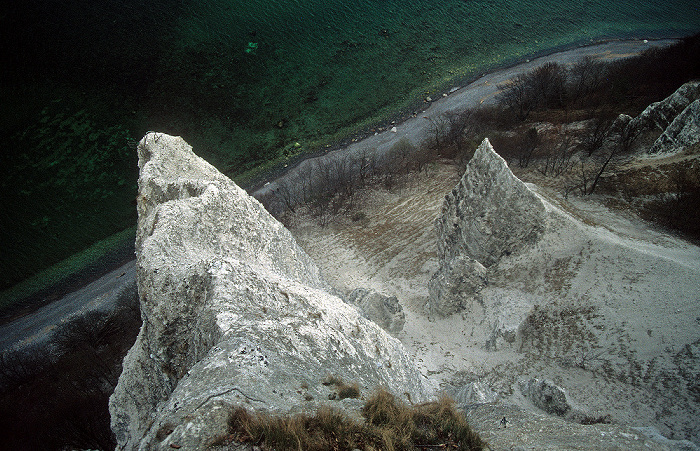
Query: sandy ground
[603, 305]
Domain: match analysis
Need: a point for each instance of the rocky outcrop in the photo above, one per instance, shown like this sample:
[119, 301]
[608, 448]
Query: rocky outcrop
[660, 115]
[234, 312]
[683, 132]
[383, 310]
[546, 395]
[488, 215]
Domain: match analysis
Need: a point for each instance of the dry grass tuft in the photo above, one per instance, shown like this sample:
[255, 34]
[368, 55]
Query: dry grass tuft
[389, 425]
[348, 391]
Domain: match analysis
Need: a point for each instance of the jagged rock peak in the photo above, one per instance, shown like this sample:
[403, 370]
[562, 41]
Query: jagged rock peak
[659, 115]
[234, 312]
[185, 200]
[488, 215]
[683, 132]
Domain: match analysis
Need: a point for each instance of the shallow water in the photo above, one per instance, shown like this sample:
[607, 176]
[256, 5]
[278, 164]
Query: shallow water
[243, 82]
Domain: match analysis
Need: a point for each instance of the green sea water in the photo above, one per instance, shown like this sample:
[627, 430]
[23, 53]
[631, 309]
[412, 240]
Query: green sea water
[243, 82]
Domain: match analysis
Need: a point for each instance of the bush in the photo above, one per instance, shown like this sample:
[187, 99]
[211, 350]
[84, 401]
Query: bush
[343, 390]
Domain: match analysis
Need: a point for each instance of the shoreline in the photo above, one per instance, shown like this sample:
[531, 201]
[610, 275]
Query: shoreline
[380, 135]
[419, 106]
[480, 89]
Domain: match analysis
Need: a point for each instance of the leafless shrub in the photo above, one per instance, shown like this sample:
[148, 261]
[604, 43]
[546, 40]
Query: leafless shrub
[557, 155]
[518, 96]
[597, 131]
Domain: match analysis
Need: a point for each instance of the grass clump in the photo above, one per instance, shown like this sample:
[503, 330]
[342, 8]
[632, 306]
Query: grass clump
[348, 391]
[388, 425]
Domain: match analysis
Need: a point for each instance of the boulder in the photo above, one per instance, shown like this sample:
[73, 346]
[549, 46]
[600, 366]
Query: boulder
[383, 310]
[455, 284]
[683, 132]
[546, 395]
[488, 215]
[503, 334]
[234, 313]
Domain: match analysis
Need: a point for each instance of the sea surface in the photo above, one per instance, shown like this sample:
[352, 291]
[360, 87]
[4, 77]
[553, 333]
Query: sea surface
[244, 82]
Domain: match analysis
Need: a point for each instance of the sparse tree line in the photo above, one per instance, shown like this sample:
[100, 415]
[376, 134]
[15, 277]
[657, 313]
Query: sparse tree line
[592, 94]
[329, 186]
[571, 121]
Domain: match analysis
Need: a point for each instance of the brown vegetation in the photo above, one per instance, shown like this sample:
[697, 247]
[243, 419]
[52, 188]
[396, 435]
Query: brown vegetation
[388, 425]
[343, 390]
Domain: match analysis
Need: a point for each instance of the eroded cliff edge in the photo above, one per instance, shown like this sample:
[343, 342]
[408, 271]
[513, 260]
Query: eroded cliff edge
[234, 312]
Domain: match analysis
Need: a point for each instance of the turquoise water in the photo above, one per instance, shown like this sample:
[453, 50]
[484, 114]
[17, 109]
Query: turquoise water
[241, 81]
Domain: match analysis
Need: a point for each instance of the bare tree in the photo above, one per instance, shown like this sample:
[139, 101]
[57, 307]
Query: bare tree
[548, 84]
[597, 132]
[366, 165]
[438, 132]
[529, 143]
[286, 192]
[585, 78]
[461, 126]
[558, 155]
[519, 96]
[402, 153]
[624, 137]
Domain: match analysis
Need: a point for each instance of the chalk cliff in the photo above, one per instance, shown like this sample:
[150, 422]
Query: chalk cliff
[234, 312]
[489, 214]
[683, 132]
[660, 115]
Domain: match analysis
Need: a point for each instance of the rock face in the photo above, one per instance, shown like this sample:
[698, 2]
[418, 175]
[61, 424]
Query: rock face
[383, 310]
[234, 312]
[474, 393]
[683, 132]
[489, 214]
[660, 115]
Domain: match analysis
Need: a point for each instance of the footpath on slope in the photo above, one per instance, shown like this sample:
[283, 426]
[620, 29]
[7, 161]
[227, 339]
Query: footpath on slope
[482, 91]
